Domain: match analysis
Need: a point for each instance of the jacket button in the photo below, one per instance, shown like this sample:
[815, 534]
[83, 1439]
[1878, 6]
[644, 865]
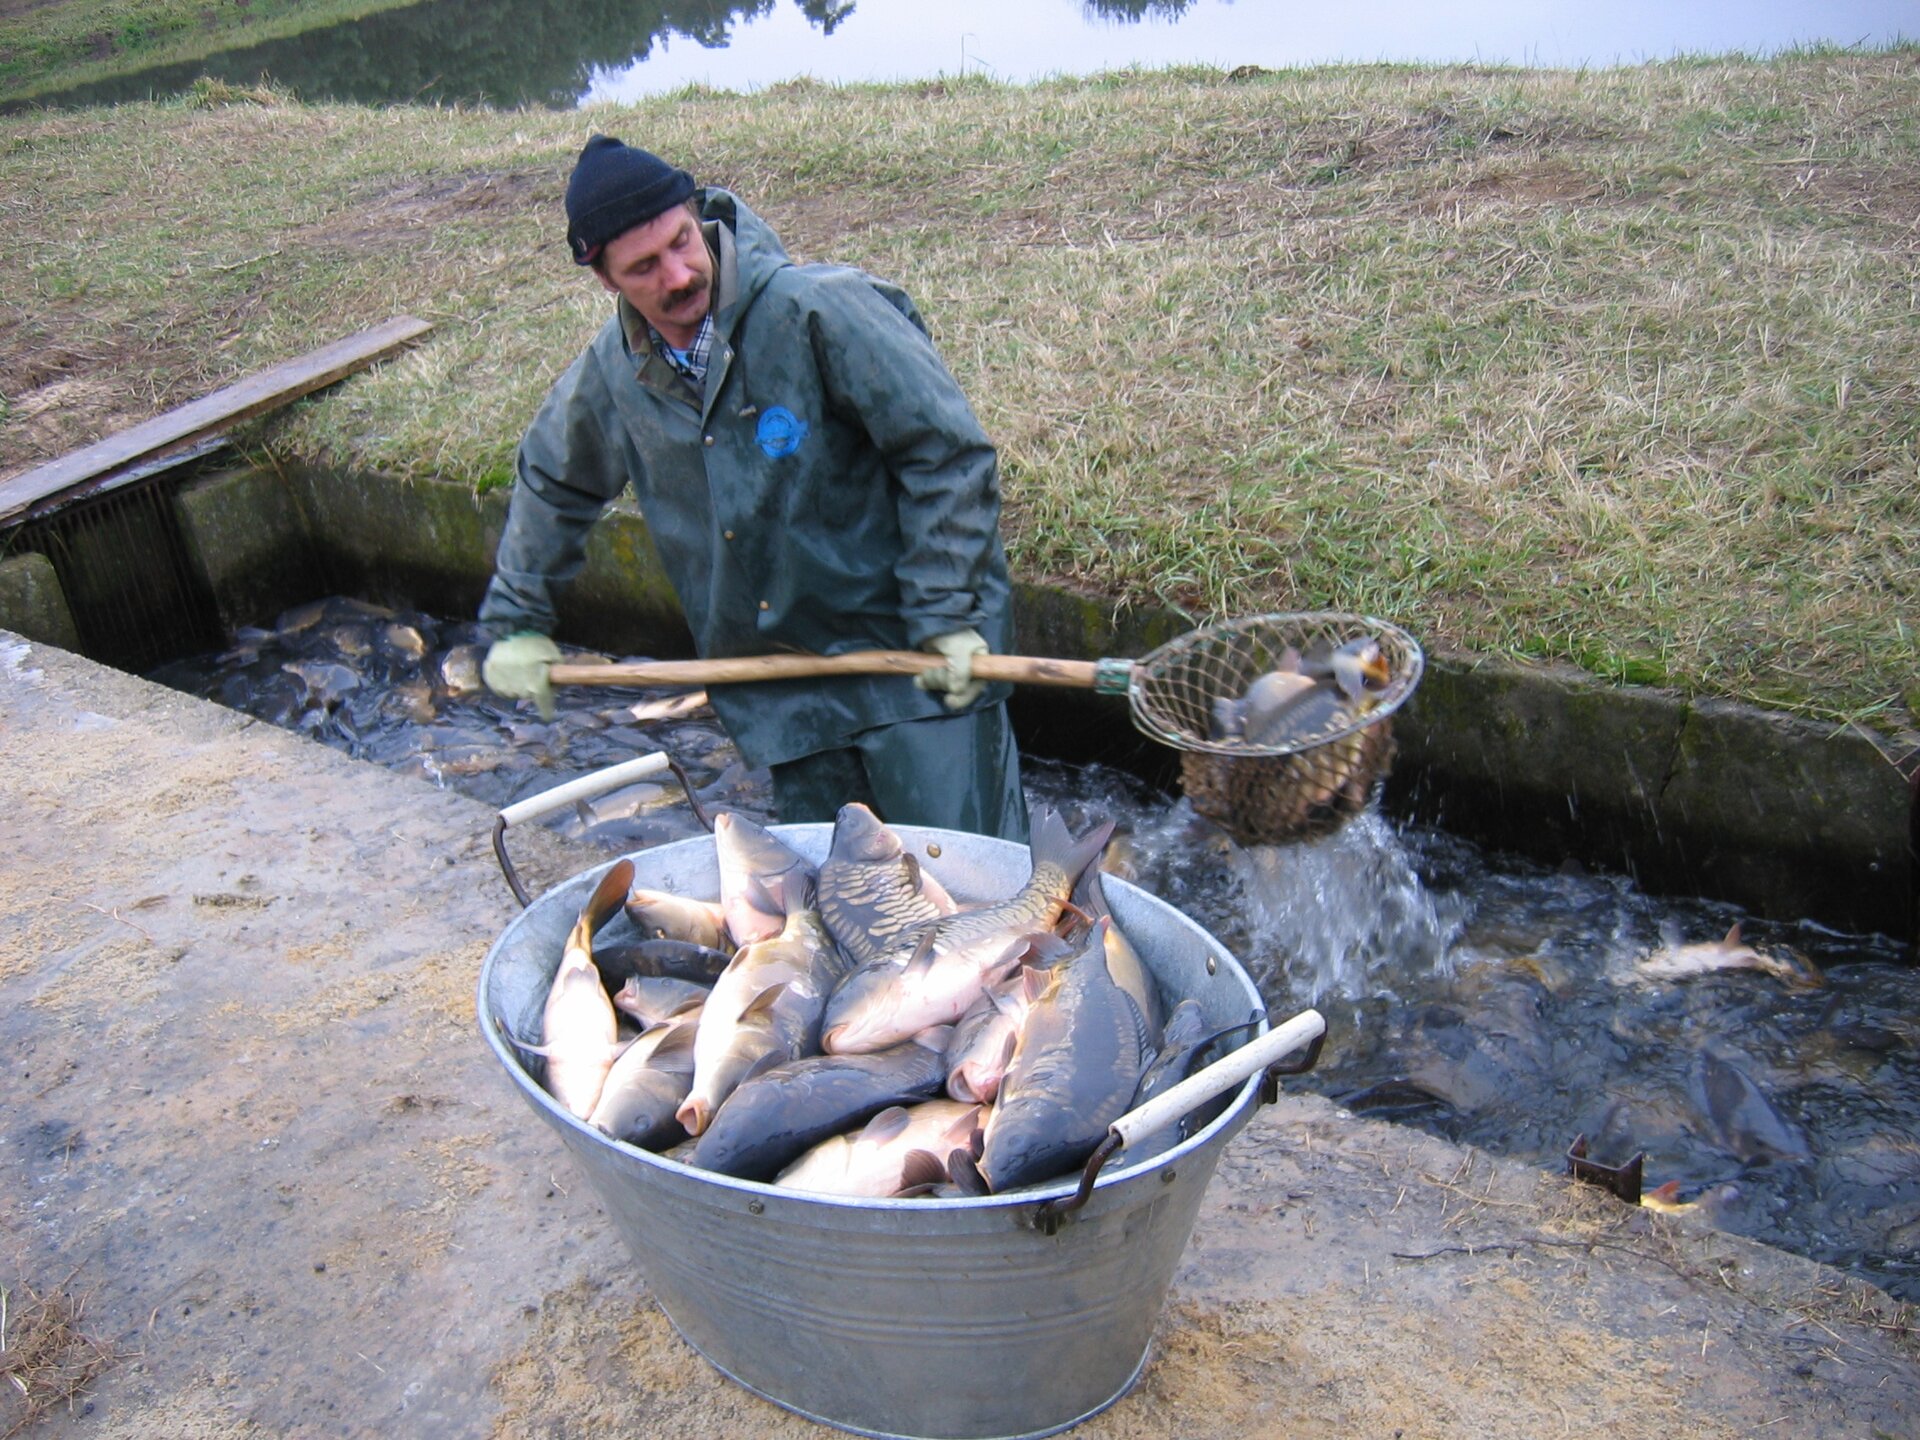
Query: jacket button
[726, 534]
[708, 440]
[765, 606]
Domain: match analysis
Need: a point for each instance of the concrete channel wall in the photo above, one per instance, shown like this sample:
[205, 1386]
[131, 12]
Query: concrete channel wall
[1788, 819]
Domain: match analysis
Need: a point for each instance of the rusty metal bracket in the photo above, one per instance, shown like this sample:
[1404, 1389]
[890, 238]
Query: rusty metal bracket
[1050, 1216]
[1281, 1069]
[1622, 1180]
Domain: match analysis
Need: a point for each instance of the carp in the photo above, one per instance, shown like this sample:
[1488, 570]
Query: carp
[761, 879]
[772, 1119]
[872, 892]
[660, 916]
[951, 961]
[1082, 1049]
[898, 1152]
[765, 1009]
[644, 1089]
[579, 1030]
[654, 999]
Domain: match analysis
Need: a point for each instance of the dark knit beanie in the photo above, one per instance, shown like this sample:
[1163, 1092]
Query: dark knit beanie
[615, 187]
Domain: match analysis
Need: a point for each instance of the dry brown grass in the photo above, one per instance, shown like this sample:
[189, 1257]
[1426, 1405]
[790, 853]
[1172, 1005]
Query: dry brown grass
[47, 1357]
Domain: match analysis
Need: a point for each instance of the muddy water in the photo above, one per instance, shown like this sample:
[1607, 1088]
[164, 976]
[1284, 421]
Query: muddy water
[1494, 1002]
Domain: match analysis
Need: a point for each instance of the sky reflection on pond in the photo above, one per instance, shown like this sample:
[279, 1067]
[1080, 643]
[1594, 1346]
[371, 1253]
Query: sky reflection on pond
[1026, 40]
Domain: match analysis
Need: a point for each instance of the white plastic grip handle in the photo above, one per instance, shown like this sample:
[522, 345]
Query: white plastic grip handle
[627, 772]
[1219, 1077]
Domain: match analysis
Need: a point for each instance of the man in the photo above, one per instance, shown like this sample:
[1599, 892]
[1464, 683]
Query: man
[813, 478]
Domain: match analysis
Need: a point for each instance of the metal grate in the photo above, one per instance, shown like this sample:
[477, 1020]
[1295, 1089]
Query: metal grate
[136, 597]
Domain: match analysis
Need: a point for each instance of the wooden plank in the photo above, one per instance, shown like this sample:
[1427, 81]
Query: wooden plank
[260, 392]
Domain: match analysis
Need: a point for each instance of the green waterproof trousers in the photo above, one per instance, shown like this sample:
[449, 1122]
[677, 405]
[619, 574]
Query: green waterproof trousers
[956, 772]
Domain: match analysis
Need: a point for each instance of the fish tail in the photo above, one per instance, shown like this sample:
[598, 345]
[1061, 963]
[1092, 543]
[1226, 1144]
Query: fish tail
[1053, 843]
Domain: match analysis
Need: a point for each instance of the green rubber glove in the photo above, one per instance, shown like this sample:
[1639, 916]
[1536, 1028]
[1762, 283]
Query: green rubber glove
[957, 648]
[516, 667]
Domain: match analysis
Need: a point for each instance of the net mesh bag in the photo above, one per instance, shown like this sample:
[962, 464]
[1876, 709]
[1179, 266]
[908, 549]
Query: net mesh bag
[1271, 794]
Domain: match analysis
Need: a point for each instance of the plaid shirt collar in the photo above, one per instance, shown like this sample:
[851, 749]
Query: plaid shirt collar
[691, 363]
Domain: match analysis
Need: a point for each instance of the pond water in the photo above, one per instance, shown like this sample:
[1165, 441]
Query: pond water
[544, 53]
[1498, 1003]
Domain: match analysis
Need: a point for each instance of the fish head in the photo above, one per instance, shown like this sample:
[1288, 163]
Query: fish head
[761, 878]
[863, 1013]
[859, 837]
[1359, 666]
[1029, 1155]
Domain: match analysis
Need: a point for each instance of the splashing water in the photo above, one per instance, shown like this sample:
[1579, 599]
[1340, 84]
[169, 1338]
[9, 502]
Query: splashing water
[1341, 916]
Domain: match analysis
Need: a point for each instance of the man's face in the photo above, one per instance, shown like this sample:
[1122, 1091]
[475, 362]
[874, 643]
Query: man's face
[665, 271]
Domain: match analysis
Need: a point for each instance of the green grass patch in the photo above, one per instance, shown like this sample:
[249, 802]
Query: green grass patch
[1615, 369]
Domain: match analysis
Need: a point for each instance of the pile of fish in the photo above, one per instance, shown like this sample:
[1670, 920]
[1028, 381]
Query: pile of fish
[849, 1029]
[1305, 696]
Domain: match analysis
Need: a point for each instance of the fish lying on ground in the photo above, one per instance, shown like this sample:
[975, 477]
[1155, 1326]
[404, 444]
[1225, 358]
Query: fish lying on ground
[579, 1029]
[956, 957]
[872, 892]
[641, 1097]
[898, 1151]
[765, 1009]
[1304, 696]
[772, 1119]
[671, 707]
[761, 878]
[1679, 962]
[1082, 1049]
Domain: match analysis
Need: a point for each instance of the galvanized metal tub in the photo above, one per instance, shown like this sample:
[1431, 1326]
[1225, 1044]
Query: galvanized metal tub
[933, 1319]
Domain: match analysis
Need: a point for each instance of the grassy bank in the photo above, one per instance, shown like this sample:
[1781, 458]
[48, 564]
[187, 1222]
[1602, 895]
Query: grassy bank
[45, 47]
[1620, 368]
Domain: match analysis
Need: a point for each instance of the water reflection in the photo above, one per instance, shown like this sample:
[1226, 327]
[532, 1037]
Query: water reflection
[510, 53]
[1500, 1004]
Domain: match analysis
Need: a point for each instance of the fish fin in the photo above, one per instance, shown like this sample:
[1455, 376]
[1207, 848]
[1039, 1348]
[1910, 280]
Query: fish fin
[921, 1170]
[686, 1009]
[1012, 994]
[922, 958]
[763, 1064]
[608, 896]
[760, 1007]
[934, 1038]
[1054, 843]
[675, 1051]
[964, 1171]
[1071, 915]
[1007, 1048]
[887, 1124]
[1733, 934]
[1089, 896]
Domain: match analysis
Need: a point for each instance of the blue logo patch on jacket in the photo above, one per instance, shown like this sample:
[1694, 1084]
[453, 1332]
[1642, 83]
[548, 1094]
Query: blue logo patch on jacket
[780, 432]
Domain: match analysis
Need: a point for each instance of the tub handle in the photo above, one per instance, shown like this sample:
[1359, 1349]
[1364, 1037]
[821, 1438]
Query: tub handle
[613, 777]
[1308, 1028]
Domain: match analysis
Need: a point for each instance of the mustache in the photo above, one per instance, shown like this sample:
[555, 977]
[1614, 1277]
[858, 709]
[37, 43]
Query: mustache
[677, 298]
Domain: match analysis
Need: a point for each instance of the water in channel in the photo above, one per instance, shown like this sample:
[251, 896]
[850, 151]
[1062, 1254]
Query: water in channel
[1499, 1003]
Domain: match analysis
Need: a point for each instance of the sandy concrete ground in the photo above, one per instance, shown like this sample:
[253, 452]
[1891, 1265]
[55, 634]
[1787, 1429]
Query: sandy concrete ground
[249, 1123]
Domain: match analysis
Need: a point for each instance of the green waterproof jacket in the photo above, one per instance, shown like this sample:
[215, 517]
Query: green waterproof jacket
[830, 491]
